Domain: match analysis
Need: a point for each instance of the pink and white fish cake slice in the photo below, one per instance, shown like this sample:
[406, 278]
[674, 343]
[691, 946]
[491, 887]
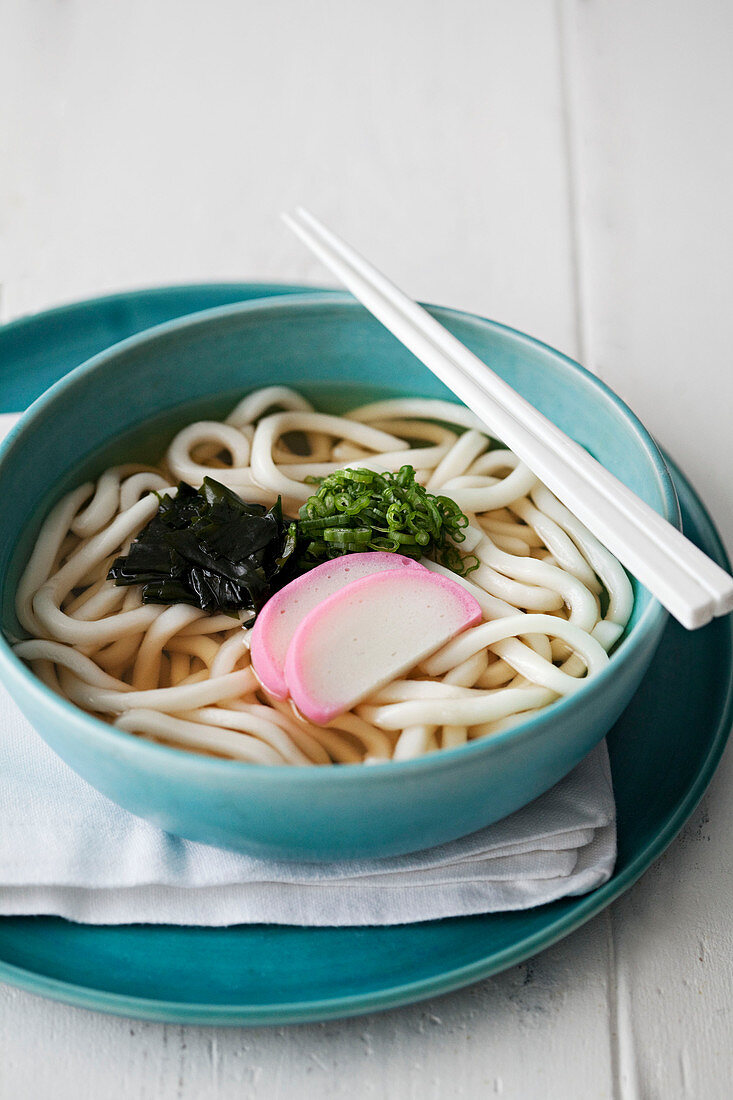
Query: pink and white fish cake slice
[282, 615]
[369, 633]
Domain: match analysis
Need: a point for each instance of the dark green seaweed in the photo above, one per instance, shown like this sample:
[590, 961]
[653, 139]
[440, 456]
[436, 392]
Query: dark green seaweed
[208, 548]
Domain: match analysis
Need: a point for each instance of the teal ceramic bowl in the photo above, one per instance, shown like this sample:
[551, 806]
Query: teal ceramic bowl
[127, 402]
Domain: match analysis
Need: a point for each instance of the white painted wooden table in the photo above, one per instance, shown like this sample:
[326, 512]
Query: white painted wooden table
[564, 167]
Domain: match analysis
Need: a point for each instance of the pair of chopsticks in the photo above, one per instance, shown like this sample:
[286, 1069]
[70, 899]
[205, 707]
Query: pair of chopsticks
[692, 587]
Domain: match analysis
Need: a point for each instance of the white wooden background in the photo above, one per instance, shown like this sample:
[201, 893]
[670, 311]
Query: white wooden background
[563, 167]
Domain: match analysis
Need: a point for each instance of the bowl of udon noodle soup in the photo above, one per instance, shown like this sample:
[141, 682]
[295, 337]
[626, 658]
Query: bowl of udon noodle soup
[268, 585]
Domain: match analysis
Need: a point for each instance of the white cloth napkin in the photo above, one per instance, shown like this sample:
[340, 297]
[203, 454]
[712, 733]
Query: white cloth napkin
[7, 420]
[68, 851]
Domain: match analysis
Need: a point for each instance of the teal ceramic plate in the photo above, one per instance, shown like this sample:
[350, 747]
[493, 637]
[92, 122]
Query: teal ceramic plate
[663, 753]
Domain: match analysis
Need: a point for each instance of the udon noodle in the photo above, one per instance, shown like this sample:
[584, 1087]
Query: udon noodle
[554, 601]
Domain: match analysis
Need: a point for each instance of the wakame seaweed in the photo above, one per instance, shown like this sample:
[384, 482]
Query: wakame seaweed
[208, 548]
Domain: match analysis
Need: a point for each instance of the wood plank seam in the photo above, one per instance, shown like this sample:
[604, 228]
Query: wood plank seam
[568, 138]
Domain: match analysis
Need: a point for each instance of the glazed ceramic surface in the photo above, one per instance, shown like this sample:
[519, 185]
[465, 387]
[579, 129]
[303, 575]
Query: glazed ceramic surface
[127, 402]
[663, 751]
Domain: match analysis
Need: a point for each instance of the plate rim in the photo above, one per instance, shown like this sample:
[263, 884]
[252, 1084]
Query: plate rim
[201, 1013]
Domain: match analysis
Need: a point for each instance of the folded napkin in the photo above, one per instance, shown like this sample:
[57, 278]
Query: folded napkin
[7, 420]
[67, 850]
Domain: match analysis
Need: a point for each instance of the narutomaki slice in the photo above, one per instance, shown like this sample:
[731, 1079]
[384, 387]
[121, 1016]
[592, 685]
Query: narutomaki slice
[369, 633]
[283, 613]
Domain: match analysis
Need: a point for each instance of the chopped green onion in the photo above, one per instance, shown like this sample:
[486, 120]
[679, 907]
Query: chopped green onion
[358, 510]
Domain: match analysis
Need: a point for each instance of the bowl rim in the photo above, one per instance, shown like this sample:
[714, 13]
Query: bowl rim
[652, 619]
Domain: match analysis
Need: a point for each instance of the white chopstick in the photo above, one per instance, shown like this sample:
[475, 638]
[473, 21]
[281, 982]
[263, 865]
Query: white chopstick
[691, 586]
